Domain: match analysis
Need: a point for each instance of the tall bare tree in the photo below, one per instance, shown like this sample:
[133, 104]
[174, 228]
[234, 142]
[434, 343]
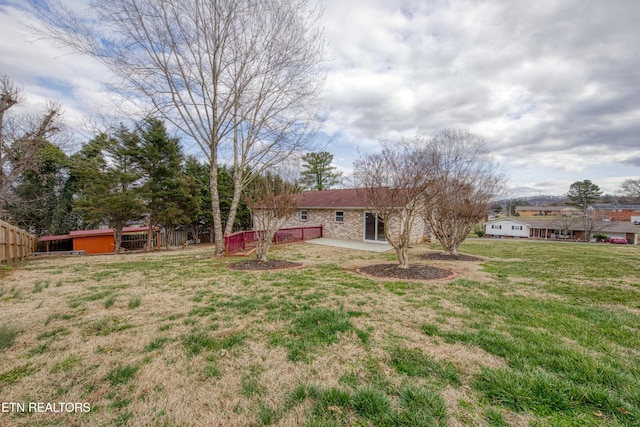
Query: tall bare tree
[394, 184]
[237, 77]
[21, 136]
[466, 180]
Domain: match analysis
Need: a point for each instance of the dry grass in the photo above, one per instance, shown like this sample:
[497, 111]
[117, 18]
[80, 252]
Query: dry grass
[234, 373]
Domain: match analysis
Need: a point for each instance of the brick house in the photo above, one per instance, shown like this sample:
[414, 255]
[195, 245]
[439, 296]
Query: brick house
[343, 216]
[629, 213]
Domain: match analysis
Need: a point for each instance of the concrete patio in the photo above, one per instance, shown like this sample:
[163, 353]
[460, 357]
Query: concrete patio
[351, 244]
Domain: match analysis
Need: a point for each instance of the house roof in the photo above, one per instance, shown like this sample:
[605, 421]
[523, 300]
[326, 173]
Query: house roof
[621, 207]
[54, 238]
[545, 208]
[106, 231]
[91, 233]
[509, 219]
[347, 198]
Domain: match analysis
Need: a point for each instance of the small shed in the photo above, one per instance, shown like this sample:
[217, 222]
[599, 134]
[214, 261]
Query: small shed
[100, 241]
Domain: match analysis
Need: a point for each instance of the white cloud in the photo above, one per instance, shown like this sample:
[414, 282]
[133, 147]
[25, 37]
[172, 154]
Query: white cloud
[552, 86]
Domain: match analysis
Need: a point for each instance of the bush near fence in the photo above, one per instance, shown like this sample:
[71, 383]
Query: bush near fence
[15, 244]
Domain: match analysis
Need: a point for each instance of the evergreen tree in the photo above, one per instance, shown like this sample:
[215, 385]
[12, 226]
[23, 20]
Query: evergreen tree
[317, 172]
[165, 189]
[200, 216]
[39, 192]
[109, 179]
[583, 194]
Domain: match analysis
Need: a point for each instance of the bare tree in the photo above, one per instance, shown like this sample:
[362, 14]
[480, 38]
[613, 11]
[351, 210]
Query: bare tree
[591, 225]
[631, 188]
[237, 77]
[466, 180]
[565, 224]
[21, 136]
[395, 185]
[273, 201]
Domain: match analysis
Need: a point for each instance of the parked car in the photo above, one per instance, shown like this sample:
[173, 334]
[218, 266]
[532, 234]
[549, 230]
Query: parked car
[618, 240]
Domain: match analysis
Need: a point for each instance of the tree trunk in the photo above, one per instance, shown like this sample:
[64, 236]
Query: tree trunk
[233, 209]
[262, 249]
[117, 237]
[218, 236]
[147, 247]
[170, 233]
[195, 232]
[403, 257]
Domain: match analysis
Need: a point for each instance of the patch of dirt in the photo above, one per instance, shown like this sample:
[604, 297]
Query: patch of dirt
[255, 265]
[414, 272]
[444, 256]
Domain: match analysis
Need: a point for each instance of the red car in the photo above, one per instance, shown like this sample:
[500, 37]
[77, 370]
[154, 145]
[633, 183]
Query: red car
[618, 240]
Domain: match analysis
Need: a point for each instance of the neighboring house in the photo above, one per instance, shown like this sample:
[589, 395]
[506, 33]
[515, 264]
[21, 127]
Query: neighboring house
[629, 213]
[549, 229]
[547, 211]
[506, 227]
[342, 215]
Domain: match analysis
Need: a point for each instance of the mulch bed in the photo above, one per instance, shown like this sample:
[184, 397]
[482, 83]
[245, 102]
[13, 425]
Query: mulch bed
[444, 256]
[414, 272]
[255, 265]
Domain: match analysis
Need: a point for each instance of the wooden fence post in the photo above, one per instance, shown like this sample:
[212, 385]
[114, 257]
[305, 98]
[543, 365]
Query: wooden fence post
[15, 244]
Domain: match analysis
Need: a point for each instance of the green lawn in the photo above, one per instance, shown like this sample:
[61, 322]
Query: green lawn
[536, 334]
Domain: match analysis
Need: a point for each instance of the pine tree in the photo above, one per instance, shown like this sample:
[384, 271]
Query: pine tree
[166, 190]
[583, 194]
[109, 180]
[39, 192]
[317, 172]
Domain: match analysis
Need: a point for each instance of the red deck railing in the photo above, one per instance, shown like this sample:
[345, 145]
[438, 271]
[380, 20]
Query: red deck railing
[242, 239]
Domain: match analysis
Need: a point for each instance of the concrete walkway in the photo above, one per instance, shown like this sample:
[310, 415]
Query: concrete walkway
[351, 244]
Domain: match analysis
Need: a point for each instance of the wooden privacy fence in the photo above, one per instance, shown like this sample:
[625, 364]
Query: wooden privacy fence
[15, 244]
[177, 238]
[242, 239]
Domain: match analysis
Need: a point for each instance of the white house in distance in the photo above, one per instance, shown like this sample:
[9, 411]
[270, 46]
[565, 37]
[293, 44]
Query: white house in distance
[528, 228]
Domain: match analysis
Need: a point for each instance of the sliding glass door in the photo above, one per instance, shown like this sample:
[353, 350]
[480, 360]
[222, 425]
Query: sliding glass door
[373, 228]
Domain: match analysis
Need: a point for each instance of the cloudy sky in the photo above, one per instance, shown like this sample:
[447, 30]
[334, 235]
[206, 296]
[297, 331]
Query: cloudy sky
[552, 86]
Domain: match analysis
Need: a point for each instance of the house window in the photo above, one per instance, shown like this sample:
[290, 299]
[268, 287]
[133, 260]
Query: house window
[499, 227]
[339, 216]
[516, 227]
[303, 215]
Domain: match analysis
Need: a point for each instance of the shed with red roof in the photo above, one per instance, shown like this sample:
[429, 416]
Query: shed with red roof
[100, 241]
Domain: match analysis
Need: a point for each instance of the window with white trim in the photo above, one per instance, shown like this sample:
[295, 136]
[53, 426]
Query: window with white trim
[339, 217]
[303, 215]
